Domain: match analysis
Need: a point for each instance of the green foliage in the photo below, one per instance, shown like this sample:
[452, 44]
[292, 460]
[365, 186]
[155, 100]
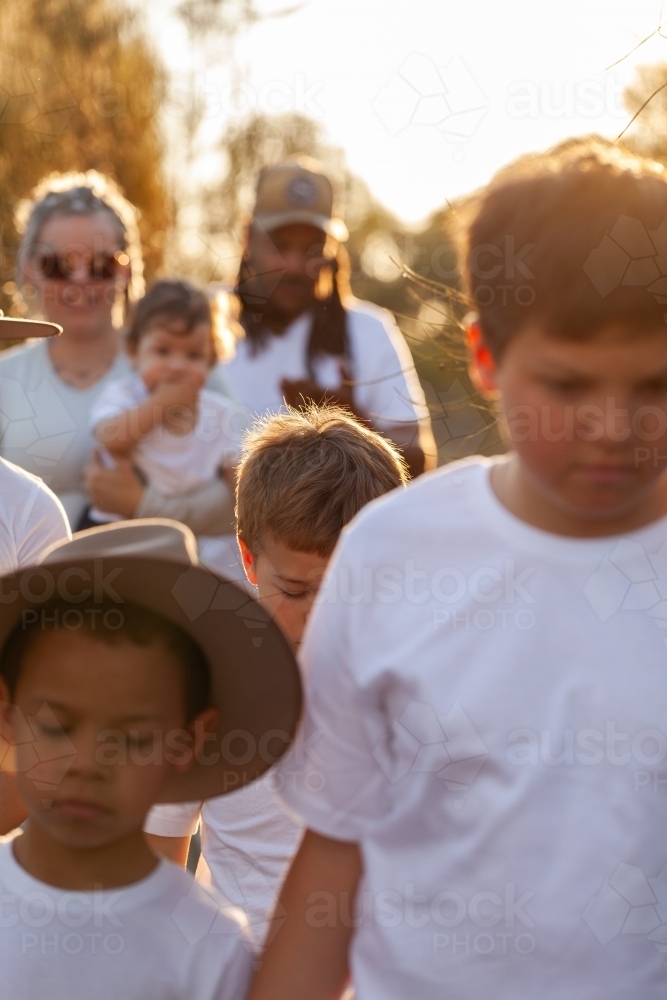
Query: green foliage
[81, 89]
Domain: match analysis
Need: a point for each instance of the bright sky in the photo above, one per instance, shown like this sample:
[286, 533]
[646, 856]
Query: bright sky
[427, 97]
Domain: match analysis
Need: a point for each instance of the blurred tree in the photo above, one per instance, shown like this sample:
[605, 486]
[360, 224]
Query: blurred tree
[648, 134]
[82, 89]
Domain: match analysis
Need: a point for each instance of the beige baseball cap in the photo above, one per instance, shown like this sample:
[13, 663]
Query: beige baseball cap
[297, 190]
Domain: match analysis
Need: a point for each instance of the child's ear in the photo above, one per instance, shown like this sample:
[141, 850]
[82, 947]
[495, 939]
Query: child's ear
[481, 363]
[200, 730]
[248, 562]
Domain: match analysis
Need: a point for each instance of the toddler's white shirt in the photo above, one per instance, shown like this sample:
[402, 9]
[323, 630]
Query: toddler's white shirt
[177, 463]
[486, 714]
[164, 937]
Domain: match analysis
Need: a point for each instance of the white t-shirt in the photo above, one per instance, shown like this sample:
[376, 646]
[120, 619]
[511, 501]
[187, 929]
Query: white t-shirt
[45, 423]
[487, 716]
[386, 384]
[177, 463]
[248, 842]
[164, 938]
[31, 518]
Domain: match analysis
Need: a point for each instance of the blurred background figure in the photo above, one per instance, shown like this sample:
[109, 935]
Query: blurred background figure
[80, 265]
[304, 340]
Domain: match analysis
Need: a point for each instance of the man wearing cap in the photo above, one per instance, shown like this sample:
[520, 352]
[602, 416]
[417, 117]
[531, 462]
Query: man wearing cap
[31, 519]
[301, 342]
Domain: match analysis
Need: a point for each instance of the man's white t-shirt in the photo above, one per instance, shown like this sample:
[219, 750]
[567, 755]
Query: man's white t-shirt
[163, 938]
[31, 518]
[486, 715]
[248, 841]
[386, 385]
[177, 463]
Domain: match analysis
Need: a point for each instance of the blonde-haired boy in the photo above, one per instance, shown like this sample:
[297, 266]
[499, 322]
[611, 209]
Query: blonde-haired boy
[303, 476]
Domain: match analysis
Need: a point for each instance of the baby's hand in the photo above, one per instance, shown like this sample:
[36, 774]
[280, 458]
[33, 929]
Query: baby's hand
[182, 394]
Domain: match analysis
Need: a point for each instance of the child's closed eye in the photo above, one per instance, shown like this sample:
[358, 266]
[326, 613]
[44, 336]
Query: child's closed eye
[300, 596]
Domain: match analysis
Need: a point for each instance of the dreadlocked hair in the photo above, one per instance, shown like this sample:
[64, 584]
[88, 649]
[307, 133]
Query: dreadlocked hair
[328, 331]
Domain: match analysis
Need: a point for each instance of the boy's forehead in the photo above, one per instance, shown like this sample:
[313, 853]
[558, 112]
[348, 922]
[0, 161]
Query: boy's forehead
[75, 666]
[643, 347]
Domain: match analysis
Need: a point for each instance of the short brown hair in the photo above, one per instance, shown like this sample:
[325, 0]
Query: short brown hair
[173, 301]
[305, 473]
[575, 238]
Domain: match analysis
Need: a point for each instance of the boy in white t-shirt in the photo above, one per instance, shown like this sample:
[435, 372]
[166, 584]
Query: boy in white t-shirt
[179, 434]
[303, 476]
[117, 692]
[481, 769]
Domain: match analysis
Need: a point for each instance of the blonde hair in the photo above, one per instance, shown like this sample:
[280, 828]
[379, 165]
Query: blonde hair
[77, 193]
[305, 473]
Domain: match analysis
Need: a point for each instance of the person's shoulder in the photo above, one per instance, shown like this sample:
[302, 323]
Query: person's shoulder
[443, 497]
[21, 357]
[14, 479]
[178, 884]
[365, 316]
[212, 399]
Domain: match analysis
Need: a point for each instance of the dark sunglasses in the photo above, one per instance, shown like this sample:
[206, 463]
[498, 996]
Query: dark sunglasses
[61, 267]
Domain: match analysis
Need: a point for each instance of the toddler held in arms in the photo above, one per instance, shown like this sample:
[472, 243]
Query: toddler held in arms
[178, 434]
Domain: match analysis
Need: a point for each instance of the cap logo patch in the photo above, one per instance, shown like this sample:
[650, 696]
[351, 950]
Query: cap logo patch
[301, 191]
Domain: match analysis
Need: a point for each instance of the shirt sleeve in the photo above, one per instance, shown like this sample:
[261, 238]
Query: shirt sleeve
[114, 399]
[332, 777]
[179, 819]
[386, 383]
[43, 523]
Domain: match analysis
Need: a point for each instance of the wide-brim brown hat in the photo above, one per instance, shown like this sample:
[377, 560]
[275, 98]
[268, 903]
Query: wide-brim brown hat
[13, 328]
[255, 683]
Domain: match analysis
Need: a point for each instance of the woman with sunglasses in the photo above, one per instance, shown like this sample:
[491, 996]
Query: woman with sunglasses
[80, 265]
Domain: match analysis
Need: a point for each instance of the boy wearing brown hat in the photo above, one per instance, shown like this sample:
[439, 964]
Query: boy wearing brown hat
[124, 670]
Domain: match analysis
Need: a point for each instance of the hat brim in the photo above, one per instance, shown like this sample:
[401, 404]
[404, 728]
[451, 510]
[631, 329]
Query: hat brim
[255, 682]
[13, 328]
[275, 220]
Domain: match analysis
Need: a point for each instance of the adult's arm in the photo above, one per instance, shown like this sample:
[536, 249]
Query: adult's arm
[206, 511]
[307, 958]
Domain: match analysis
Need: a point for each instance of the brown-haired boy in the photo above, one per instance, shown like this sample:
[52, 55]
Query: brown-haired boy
[486, 668]
[303, 476]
